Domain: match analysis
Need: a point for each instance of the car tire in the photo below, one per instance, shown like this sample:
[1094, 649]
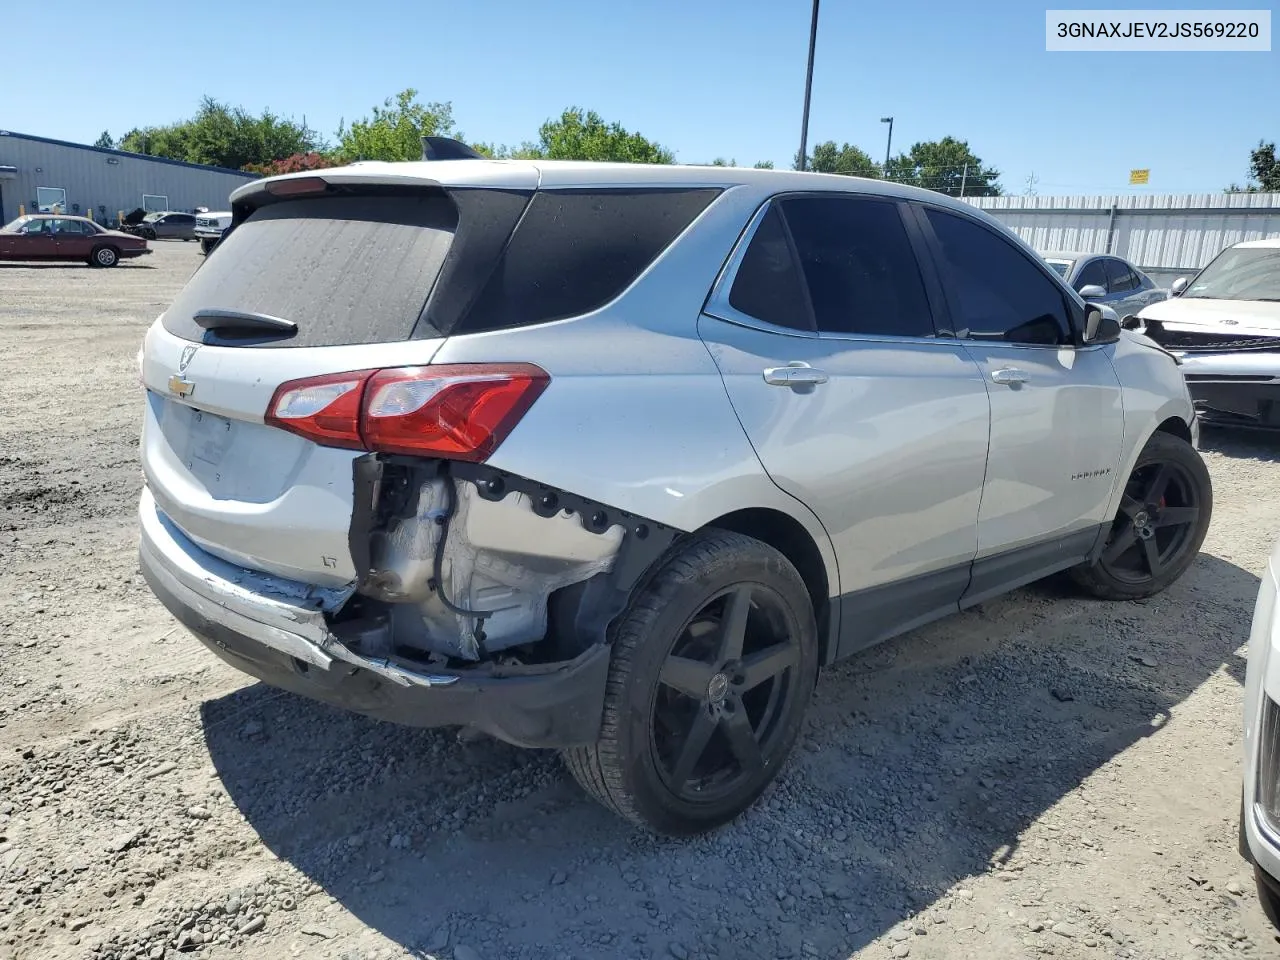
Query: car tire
[698, 720]
[1163, 518]
[148, 234]
[104, 257]
[206, 246]
[1268, 895]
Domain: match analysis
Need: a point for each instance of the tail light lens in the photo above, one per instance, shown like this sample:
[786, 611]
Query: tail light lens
[452, 411]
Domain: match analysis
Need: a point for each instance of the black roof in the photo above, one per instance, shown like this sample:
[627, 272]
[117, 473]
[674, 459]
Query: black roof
[126, 153]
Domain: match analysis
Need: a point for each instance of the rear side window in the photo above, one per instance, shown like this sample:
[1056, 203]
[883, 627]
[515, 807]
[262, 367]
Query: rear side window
[768, 285]
[575, 250]
[999, 293]
[346, 269]
[861, 271]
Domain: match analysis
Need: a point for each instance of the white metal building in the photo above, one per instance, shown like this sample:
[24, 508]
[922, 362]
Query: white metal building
[37, 173]
[1165, 235]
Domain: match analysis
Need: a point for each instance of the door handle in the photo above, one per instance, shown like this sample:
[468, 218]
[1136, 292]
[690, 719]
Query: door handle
[1009, 375]
[797, 373]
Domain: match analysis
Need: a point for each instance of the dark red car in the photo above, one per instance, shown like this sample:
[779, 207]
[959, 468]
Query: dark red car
[58, 237]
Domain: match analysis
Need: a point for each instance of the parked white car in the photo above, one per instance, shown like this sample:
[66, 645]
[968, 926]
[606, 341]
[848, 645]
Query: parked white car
[1260, 804]
[1224, 326]
[209, 228]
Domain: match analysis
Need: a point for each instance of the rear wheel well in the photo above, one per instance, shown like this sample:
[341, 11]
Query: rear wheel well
[788, 537]
[1176, 426]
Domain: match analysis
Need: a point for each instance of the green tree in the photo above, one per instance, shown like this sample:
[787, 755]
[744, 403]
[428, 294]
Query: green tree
[764, 165]
[1264, 171]
[224, 136]
[395, 130]
[946, 166]
[104, 141]
[584, 135]
[846, 160]
[166, 141]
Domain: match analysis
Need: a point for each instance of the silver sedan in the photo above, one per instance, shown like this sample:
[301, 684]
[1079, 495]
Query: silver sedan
[1108, 281]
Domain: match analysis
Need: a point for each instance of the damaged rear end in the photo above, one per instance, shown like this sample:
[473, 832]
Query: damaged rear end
[318, 508]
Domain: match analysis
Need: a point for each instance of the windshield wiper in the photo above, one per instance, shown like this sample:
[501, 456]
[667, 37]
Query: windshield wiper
[235, 321]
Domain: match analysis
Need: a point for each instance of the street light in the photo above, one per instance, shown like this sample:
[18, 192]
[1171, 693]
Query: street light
[888, 144]
[808, 85]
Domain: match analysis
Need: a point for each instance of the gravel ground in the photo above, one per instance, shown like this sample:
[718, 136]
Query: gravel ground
[1043, 775]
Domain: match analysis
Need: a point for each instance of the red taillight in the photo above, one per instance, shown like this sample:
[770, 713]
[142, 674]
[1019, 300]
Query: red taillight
[453, 411]
[324, 409]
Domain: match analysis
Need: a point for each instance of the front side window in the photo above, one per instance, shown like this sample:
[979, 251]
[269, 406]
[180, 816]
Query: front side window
[998, 292]
[1122, 278]
[1092, 274]
[859, 266]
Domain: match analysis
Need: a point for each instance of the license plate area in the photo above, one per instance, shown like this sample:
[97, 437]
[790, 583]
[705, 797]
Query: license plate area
[211, 438]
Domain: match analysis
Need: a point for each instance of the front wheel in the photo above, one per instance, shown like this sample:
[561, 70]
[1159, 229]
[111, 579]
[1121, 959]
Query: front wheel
[206, 246]
[713, 664]
[1163, 518]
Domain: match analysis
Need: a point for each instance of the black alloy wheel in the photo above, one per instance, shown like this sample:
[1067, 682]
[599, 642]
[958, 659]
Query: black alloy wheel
[1157, 532]
[710, 674]
[721, 693]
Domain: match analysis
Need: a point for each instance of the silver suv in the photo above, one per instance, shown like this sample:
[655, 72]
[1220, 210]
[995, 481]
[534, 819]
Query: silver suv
[611, 459]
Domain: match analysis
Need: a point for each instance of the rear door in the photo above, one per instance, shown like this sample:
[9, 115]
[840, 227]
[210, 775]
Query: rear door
[823, 330]
[74, 239]
[353, 272]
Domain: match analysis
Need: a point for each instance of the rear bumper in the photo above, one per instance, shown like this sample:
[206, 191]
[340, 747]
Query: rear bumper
[276, 630]
[130, 254]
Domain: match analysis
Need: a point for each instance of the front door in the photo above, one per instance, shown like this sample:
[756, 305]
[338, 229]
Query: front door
[1056, 409]
[824, 334]
[35, 242]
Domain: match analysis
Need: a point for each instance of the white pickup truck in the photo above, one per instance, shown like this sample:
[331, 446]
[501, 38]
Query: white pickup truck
[209, 227]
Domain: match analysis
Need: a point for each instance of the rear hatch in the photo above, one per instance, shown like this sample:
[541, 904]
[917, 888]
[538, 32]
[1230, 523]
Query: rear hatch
[351, 270]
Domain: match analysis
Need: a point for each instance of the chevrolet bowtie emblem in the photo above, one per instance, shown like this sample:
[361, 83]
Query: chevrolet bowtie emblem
[181, 386]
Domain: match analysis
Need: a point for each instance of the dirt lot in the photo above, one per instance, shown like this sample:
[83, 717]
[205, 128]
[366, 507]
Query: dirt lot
[1044, 775]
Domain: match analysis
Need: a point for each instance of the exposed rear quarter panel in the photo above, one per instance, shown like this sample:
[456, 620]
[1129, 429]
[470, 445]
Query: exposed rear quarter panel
[636, 414]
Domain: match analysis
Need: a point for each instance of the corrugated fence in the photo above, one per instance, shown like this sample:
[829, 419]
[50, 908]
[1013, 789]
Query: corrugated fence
[1167, 235]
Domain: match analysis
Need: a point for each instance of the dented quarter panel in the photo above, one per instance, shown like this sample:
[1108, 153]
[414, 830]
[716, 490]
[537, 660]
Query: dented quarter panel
[636, 415]
[499, 557]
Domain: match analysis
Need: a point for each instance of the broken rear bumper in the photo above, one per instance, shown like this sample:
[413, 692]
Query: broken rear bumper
[276, 631]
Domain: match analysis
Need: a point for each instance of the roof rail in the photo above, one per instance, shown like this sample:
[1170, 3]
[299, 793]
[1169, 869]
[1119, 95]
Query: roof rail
[446, 148]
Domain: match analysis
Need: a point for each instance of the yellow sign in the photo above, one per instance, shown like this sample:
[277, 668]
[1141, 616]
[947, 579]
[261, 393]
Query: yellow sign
[1139, 177]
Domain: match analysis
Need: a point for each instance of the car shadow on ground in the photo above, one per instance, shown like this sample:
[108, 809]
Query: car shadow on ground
[1236, 442]
[922, 763]
[71, 265]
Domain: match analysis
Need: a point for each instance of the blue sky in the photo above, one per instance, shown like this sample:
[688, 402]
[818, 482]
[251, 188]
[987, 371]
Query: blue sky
[706, 78]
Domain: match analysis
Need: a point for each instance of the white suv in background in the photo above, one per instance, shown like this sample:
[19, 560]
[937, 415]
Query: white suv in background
[209, 229]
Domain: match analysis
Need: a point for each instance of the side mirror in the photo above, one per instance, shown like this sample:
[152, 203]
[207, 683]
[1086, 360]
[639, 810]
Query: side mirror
[1179, 285]
[1092, 292]
[1100, 327]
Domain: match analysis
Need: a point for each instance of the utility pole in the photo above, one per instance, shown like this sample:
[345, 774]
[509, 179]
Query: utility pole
[808, 86]
[964, 176]
[1032, 180]
[888, 146]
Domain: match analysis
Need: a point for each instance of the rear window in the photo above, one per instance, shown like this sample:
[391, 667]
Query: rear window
[575, 250]
[346, 269]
